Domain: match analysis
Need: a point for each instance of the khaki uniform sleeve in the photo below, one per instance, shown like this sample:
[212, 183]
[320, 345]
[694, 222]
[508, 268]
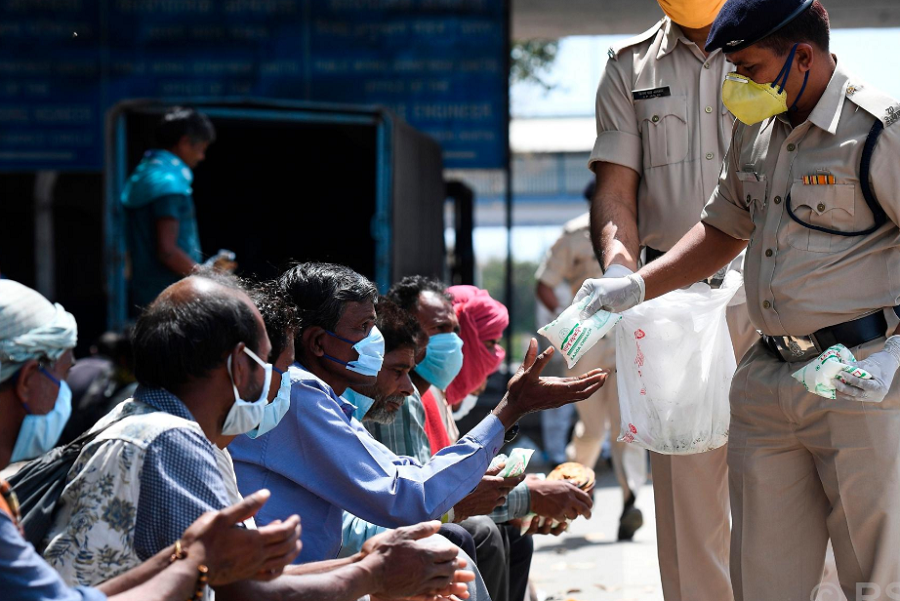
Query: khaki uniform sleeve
[883, 173]
[618, 137]
[554, 269]
[727, 209]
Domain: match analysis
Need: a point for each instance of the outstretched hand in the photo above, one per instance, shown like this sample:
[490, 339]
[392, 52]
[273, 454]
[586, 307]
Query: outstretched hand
[528, 392]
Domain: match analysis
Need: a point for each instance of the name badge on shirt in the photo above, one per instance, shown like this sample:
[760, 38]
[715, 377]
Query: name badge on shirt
[651, 93]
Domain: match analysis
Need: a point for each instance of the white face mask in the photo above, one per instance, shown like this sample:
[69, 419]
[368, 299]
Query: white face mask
[274, 411]
[246, 415]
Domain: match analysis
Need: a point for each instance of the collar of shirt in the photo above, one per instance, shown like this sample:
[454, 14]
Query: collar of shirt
[163, 400]
[672, 34]
[306, 376]
[827, 113]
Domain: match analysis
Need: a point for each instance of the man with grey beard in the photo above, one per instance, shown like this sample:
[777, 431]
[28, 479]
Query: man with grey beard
[392, 412]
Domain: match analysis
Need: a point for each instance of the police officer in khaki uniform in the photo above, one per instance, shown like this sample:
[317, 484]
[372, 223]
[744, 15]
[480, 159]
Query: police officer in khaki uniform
[811, 181]
[571, 260]
[661, 134]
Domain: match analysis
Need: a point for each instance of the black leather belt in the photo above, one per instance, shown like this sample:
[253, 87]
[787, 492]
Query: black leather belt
[804, 348]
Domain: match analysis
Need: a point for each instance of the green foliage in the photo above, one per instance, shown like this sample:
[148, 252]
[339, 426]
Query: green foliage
[531, 61]
[493, 279]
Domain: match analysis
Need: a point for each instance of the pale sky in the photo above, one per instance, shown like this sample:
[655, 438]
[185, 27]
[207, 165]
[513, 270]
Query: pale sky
[866, 52]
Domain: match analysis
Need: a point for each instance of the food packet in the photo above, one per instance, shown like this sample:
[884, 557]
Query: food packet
[516, 463]
[572, 336]
[818, 376]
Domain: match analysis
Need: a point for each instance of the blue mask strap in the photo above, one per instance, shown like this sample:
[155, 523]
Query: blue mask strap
[280, 373]
[336, 360]
[785, 70]
[342, 339]
[50, 376]
[802, 88]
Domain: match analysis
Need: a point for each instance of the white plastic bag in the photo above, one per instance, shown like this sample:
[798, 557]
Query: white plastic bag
[573, 337]
[674, 365]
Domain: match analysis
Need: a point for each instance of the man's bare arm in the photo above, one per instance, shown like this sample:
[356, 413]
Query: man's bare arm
[699, 254]
[547, 296]
[614, 228]
[167, 250]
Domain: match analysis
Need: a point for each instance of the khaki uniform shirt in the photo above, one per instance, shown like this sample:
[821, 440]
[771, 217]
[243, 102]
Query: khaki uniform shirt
[799, 280]
[660, 113]
[571, 259]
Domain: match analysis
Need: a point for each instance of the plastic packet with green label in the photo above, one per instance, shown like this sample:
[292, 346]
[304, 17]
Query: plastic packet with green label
[818, 376]
[516, 463]
[572, 336]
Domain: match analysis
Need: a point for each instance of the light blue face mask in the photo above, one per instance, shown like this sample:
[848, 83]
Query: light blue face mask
[443, 360]
[246, 415]
[360, 401]
[274, 411]
[39, 433]
[371, 353]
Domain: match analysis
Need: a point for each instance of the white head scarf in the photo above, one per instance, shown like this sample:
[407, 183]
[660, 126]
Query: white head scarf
[31, 327]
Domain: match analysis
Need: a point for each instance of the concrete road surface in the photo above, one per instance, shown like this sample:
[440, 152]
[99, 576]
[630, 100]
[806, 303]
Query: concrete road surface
[587, 564]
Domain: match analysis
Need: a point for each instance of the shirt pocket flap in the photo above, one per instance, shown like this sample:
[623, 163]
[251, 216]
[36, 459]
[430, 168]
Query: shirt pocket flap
[822, 199]
[655, 110]
[753, 186]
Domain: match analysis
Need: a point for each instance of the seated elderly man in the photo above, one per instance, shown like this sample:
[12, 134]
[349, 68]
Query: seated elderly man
[433, 307]
[391, 411]
[321, 461]
[36, 340]
[152, 470]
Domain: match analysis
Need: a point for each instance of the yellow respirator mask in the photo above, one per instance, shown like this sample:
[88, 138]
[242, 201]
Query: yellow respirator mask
[752, 102]
[693, 14]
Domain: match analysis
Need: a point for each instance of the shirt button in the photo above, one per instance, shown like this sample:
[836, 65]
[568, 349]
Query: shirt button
[709, 109]
[655, 118]
[709, 155]
[778, 200]
[749, 198]
[706, 65]
[767, 305]
[792, 147]
[821, 207]
[768, 252]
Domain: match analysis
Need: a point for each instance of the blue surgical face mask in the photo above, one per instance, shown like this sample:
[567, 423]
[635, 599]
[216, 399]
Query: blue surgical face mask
[371, 353]
[443, 360]
[246, 415]
[360, 401]
[39, 433]
[274, 411]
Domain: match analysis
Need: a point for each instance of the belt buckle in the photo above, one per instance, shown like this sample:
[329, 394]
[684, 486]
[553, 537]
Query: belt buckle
[796, 348]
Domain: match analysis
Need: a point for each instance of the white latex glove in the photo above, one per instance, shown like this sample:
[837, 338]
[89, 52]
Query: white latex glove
[614, 294]
[882, 365]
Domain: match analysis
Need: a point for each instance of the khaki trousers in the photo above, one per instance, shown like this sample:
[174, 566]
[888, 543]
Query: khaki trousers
[692, 507]
[598, 415]
[802, 469]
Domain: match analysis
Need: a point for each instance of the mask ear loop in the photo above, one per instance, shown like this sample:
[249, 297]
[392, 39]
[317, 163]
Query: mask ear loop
[786, 71]
[802, 88]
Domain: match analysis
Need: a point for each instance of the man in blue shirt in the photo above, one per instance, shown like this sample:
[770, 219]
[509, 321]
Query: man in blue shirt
[321, 461]
[162, 225]
[153, 468]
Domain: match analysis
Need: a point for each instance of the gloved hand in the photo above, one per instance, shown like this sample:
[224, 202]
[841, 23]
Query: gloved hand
[882, 365]
[619, 289]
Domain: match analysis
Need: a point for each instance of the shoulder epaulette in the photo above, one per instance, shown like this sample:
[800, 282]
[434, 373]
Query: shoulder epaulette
[615, 49]
[875, 102]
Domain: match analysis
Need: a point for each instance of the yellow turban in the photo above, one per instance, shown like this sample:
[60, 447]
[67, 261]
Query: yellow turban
[693, 14]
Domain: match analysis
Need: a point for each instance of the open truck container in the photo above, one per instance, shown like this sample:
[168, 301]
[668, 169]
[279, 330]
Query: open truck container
[292, 181]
